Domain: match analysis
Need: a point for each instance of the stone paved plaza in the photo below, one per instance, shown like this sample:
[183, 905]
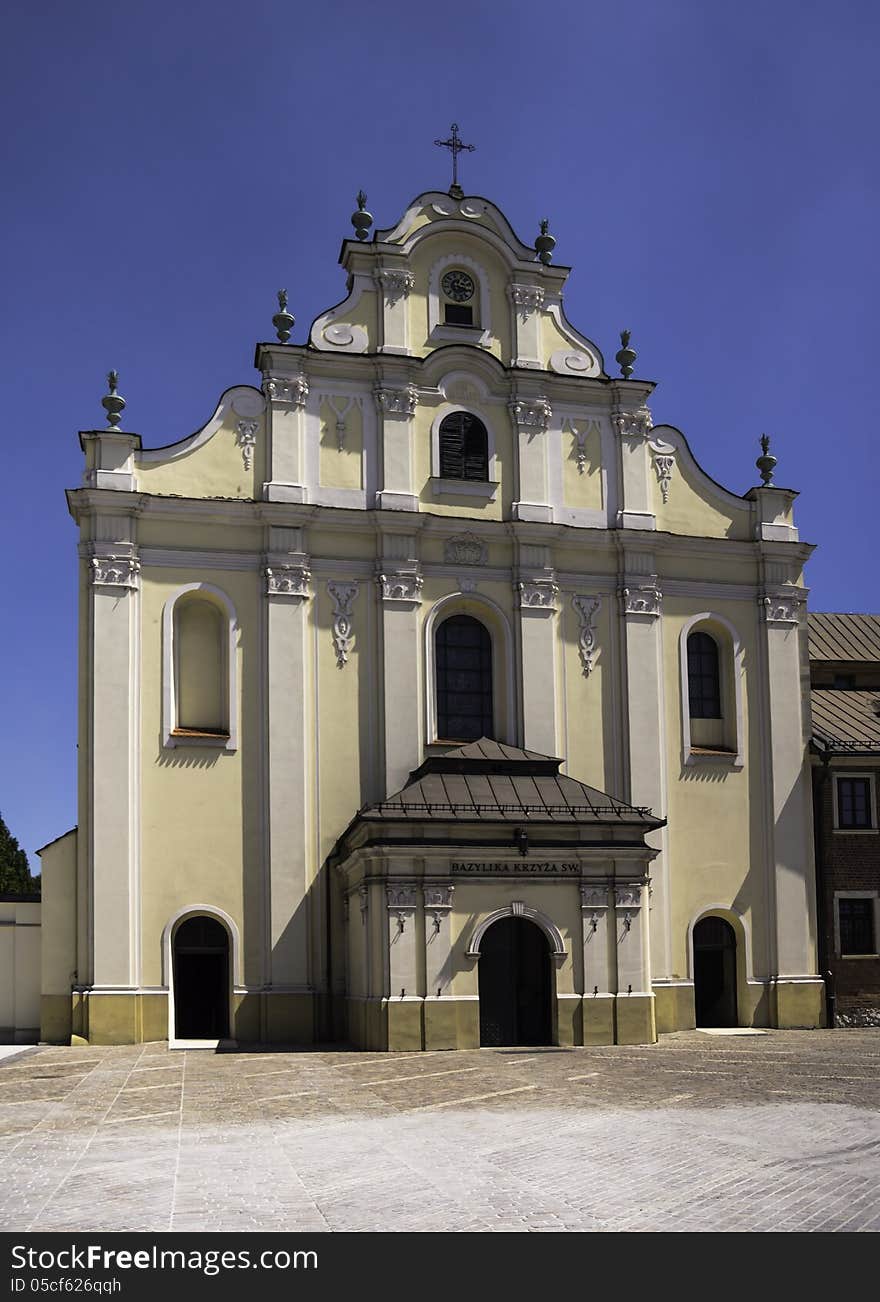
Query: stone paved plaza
[700, 1132]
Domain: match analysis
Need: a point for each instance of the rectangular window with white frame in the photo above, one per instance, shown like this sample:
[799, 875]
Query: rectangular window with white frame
[856, 923]
[855, 803]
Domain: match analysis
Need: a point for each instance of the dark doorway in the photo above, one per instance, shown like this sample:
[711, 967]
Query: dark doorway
[516, 987]
[715, 973]
[201, 980]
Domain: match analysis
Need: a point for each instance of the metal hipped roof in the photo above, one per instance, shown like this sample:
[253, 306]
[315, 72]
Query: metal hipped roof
[845, 721]
[844, 637]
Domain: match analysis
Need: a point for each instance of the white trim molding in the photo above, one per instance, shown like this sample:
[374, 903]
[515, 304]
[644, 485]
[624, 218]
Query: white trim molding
[498, 627]
[730, 672]
[169, 686]
[438, 332]
[516, 909]
[474, 485]
[869, 777]
[865, 894]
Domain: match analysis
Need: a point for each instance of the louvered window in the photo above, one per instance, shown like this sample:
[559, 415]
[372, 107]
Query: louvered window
[464, 447]
[704, 688]
[464, 679]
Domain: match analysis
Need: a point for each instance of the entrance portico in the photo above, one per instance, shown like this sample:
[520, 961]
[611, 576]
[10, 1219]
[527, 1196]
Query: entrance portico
[495, 900]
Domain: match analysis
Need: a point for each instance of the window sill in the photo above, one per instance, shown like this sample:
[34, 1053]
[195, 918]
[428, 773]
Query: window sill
[452, 334]
[858, 956]
[856, 831]
[193, 737]
[705, 755]
[485, 488]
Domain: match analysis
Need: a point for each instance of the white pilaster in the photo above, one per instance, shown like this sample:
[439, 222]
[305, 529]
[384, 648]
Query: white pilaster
[526, 302]
[438, 938]
[537, 595]
[530, 417]
[399, 586]
[594, 919]
[285, 433]
[632, 424]
[288, 769]
[640, 612]
[633, 969]
[396, 406]
[401, 905]
[114, 813]
[395, 284]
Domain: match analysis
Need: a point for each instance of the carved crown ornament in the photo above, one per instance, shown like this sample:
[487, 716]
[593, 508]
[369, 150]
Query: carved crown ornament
[288, 580]
[115, 571]
[531, 414]
[397, 402]
[465, 549]
[644, 600]
[342, 595]
[292, 389]
[633, 424]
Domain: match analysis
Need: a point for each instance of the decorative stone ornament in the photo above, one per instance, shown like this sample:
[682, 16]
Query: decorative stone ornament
[397, 402]
[586, 608]
[663, 455]
[545, 243]
[292, 389]
[246, 437]
[403, 586]
[396, 283]
[361, 220]
[465, 549]
[537, 594]
[288, 581]
[766, 462]
[526, 299]
[115, 571]
[112, 402]
[282, 320]
[342, 596]
[642, 601]
[626, 355]
[531, 414]
[633, 424]
[580, 432]
[782, 607]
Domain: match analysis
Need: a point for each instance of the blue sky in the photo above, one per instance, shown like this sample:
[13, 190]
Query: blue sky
[709, 171]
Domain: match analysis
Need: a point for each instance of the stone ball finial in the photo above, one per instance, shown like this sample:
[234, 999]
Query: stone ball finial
[626, 355]
[282, 320]
[361, 220]
[112, 402]
[545, 243]
[766, 462]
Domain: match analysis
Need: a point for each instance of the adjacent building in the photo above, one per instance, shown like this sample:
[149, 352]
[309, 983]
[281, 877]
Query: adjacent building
[845, 702]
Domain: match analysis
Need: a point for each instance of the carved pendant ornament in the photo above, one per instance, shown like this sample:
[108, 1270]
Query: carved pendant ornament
[586, 608]
[580, 432]
[246, 438]
[342, 595]
[663, 456]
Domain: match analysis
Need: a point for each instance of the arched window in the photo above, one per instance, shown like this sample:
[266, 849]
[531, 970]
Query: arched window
[464, 679]
[704, 680]
[200, 672]
[464, 447]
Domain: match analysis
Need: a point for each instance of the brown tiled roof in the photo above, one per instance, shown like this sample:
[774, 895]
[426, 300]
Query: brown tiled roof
[845, 721]
[842, 637]
[488, 781]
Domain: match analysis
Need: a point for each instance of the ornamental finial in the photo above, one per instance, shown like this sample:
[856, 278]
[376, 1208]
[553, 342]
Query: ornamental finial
[766, 462]
[282, 320]
[626, 356]
[361, 220]
[545, 243]
[112, 403]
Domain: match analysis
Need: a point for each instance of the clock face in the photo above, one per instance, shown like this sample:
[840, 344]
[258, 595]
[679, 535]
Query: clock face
[458, 286]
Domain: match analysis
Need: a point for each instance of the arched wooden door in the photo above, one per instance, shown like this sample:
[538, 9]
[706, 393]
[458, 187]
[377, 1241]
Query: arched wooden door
[201, 979]
[516, 984]
[715, 973]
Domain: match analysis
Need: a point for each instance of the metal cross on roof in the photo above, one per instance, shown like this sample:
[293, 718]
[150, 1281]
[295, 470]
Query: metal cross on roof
[454, 144]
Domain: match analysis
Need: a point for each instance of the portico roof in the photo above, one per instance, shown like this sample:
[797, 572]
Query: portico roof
[488, 781]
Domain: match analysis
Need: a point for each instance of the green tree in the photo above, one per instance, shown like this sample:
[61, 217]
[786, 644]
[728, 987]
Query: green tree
[15, 873]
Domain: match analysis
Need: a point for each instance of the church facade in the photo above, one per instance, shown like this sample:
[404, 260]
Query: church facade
[430, 694]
